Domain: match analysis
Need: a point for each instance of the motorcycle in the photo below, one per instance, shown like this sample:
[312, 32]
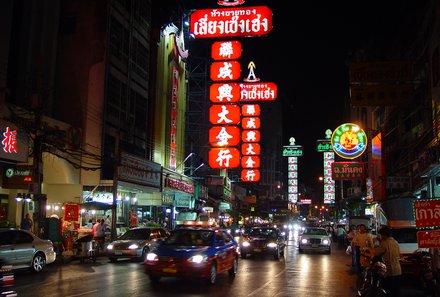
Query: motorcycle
[373, 277]
[423, 271]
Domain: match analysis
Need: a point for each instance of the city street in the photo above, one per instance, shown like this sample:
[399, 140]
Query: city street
[293, 275]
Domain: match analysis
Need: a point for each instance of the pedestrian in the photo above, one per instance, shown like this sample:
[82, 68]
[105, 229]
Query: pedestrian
[341, 236]
[99, 234]
[389, 250]
[27, 223]
[362, 240]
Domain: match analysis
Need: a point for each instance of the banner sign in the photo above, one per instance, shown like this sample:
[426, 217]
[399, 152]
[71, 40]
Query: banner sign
[348, 170]
[428, 239]
[226, 50]
[227, 22]
[14, 143]
[224, 92]
[427, 213]
[71, 212]
[263, 91]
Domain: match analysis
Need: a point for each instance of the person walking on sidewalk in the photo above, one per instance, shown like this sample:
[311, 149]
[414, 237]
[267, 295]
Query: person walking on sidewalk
[363, 239]
[99, 234]
[390, 252]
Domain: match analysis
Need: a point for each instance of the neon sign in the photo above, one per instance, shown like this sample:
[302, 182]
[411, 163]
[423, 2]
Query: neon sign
[224, 136]
[263, 91]
[226, 92]
[224, 158]
[226, 22]
[250, 175]
[223, 71]
[224, 114]
[226, 50]
[349, 141]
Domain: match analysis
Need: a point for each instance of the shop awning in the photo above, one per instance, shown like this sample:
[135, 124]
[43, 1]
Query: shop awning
[96, 206]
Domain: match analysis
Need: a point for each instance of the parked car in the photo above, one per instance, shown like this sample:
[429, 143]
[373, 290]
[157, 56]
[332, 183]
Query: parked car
[193, 252]
[22, 249]
[263, 240]
[315, 239]
[135, 243]
[6, 280]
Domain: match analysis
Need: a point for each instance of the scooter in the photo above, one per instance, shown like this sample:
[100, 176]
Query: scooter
[423, 270]
[374, 275]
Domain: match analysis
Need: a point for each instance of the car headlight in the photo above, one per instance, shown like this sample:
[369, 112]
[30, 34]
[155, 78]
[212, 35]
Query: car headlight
[133, 247]
[110, 247]
[272, 245]
[152, 257]
[326, 241]
[229, 231]
[304, 240]
[245, 243]
[198, 259]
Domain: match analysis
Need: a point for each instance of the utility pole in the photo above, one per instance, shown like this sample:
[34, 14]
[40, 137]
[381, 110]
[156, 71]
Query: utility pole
[115, 184]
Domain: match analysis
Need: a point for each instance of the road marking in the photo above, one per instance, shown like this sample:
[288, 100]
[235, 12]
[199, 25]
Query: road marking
[266, 284]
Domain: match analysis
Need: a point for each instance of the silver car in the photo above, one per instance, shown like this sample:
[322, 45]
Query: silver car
[315, 239]
[135, 243]
[22, 249]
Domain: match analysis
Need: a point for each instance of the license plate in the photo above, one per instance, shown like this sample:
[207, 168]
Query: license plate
[257, 250]
[169, 270]
[118, 253]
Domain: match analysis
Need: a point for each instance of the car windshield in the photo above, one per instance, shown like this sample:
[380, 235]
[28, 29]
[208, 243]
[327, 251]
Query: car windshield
[314, 231]
[189, 237]
[136, 234]
[264, 232]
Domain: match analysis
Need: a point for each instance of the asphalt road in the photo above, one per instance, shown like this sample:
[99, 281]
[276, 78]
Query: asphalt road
[295, 274]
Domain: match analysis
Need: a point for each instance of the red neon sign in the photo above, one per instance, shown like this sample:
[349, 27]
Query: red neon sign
[250, 136]
[262, 91]
[250, 162]
[226, 70]
[250, 175]
[225, 92]
[250, 149]
[224, 136]
[226, 22]
[224, 157]
[250, 123]
[250, 110]
[226, 50]
[221, 114]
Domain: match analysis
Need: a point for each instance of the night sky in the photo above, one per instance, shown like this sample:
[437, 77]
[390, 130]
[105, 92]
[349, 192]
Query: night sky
[307, 55]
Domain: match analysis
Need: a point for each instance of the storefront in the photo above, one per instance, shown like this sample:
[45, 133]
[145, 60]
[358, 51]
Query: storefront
[177, 197]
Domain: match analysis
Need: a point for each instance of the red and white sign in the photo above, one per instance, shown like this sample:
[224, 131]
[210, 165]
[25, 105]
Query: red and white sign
[173, 119]
[250, 175]
[428, 239]
[224, 136]
[250, 162]
[226, 22]
[71, 212]
[250, 110]
[226, 50]
[427, 213]
[306, 201]
[224, 114]
[250, 136]
[250, 123]
[225, 92]
[250, 149]
[262, 91]
[224, 157]
[224, 71]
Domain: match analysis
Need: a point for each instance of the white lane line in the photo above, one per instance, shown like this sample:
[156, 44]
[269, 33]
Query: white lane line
[84, 293]
[266, 284]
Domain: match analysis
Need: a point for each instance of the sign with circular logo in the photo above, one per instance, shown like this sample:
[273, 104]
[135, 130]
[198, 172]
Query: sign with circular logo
[349, 141]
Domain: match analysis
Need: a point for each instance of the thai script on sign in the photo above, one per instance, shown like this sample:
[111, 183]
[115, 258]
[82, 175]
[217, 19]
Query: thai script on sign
[243, 21]
[427, 213]
[258, 91]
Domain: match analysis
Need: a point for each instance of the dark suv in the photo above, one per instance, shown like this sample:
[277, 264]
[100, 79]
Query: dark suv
[263, 240]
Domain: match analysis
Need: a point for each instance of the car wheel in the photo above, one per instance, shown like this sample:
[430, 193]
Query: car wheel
[113, 260]
[233, 270]
[154, 279]
[38, 263]
[212, 274]
[276, 256]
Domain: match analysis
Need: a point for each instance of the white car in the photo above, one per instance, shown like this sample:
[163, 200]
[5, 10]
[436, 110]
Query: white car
[22, 249]
[315, 239]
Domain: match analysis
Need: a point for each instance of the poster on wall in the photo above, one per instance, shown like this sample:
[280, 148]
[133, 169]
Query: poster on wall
[71, 212]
